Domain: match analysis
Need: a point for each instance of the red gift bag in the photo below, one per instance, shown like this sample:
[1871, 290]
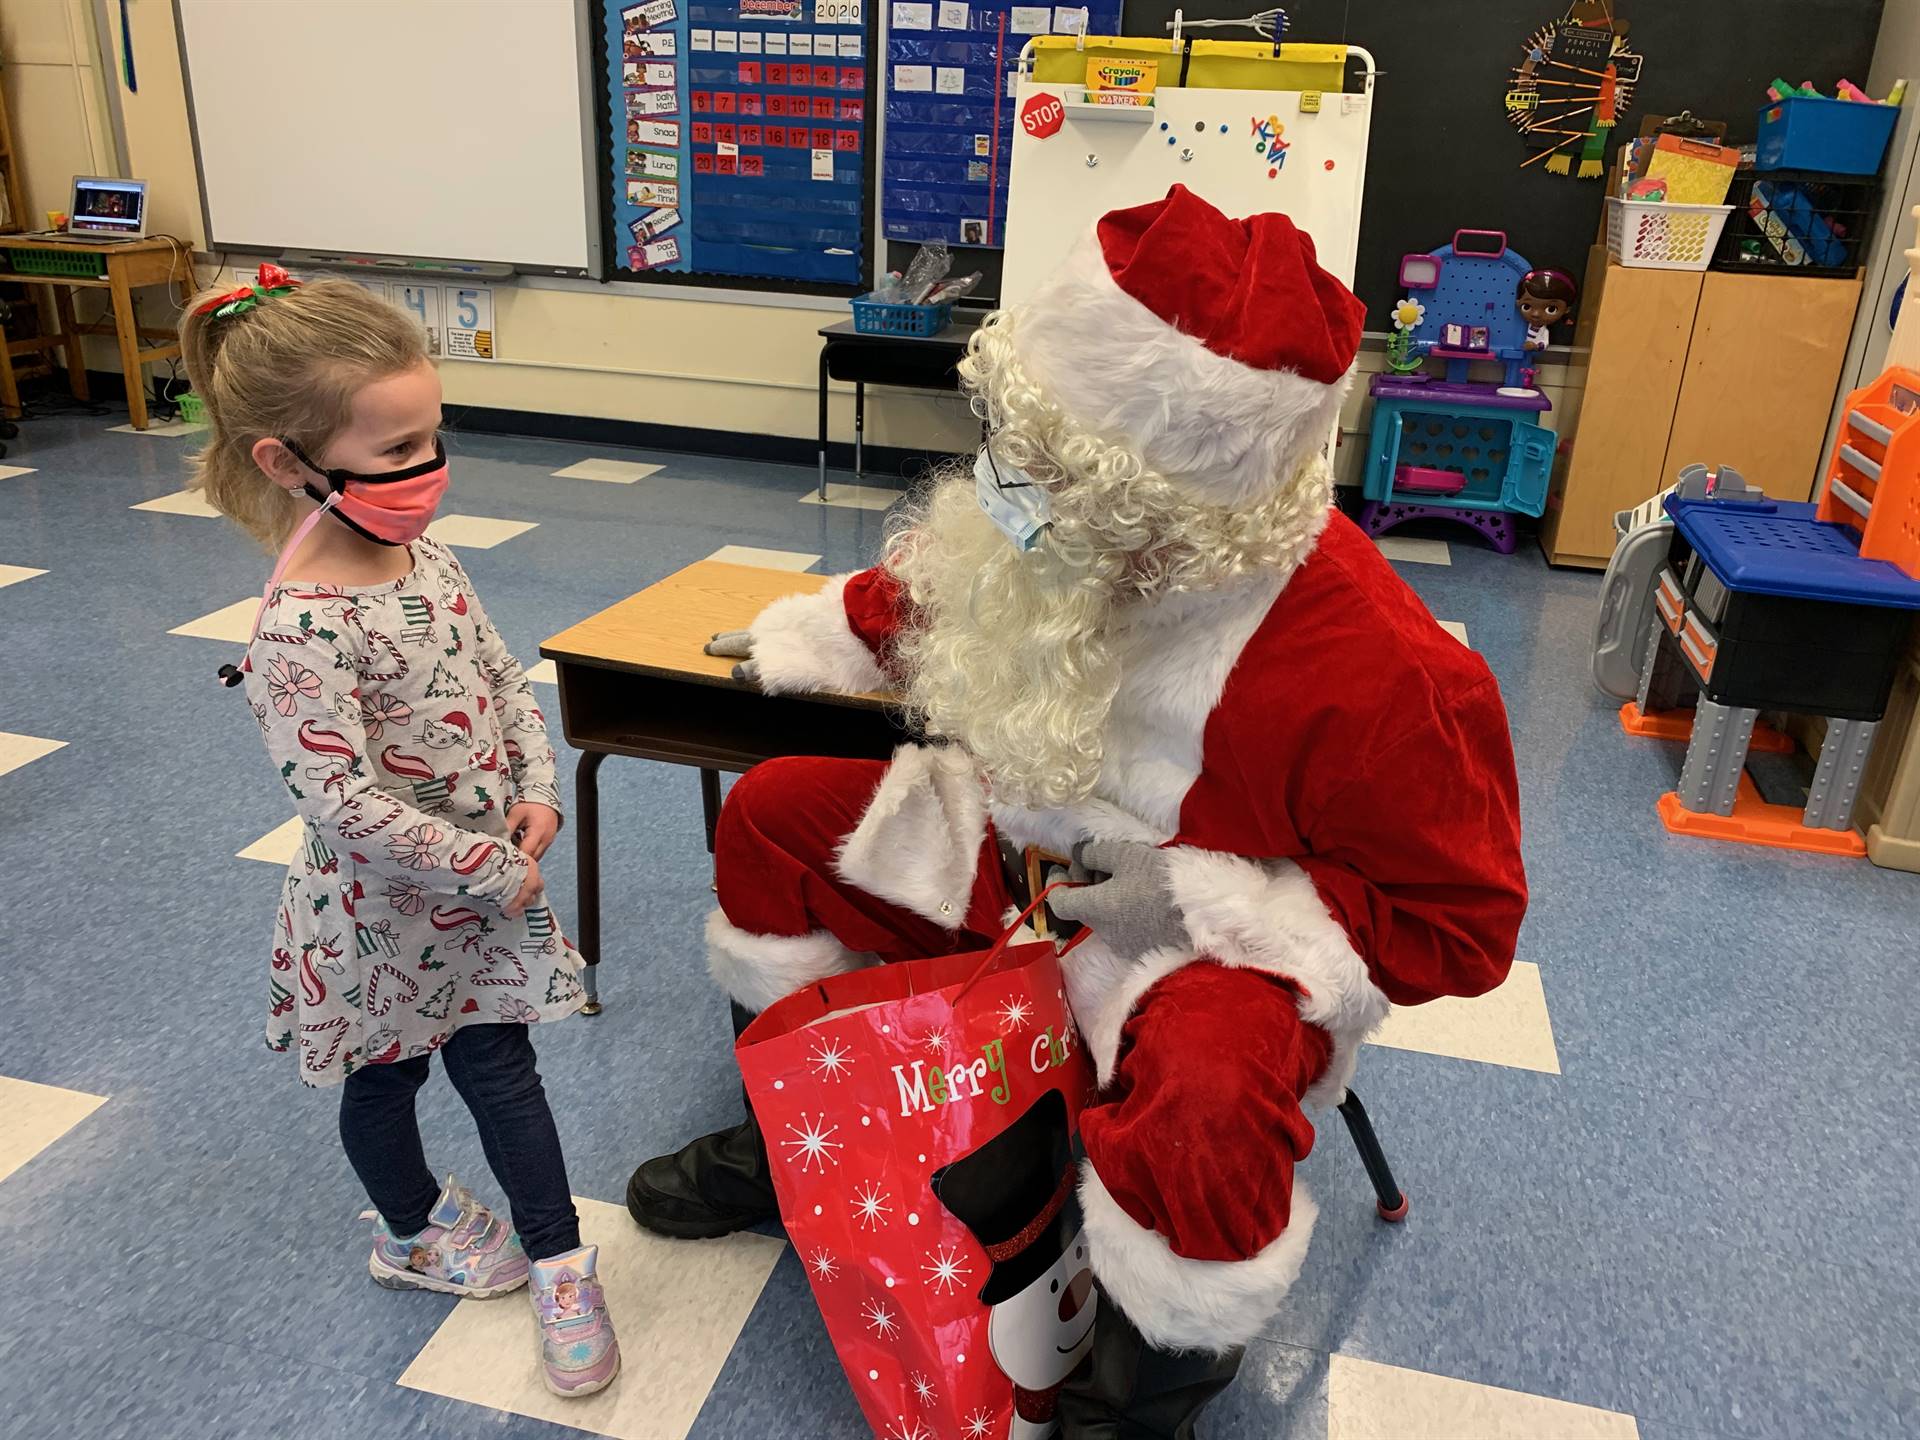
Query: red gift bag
[920, 1118]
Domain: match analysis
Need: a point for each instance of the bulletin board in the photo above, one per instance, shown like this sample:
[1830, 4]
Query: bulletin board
[739, 138]
[949, 126]
[1246, 151]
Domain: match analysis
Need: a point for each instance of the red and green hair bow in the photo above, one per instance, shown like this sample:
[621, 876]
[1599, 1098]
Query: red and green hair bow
[269, 283]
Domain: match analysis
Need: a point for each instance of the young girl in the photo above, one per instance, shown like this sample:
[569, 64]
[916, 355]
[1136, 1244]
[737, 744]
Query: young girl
[409, 740]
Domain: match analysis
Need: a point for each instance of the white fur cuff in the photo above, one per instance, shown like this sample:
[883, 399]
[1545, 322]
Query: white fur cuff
[918, 845]
[803, 642]
[757, 970]
[1181, 1304]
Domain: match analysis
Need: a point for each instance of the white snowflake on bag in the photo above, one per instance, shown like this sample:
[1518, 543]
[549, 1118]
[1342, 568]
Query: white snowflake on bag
[823, 1265]
[813, 1142]
[979, 1425]
[945, 1270]
[879, 1319]
[1015, 1014]
[936, 1040]
[905, 1428]
[832, 1060]
[870, 1206]
[923, 1390]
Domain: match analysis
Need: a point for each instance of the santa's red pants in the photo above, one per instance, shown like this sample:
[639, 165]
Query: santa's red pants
[1197, 1133]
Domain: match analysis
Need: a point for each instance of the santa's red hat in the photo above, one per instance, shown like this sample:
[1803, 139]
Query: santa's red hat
[1216, 347]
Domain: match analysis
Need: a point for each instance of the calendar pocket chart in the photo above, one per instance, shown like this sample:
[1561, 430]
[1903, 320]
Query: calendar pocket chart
[740, 137]
[949, 132]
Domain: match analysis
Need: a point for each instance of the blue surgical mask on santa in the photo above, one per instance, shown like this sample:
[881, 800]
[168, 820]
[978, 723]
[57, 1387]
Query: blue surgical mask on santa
[1016, 504]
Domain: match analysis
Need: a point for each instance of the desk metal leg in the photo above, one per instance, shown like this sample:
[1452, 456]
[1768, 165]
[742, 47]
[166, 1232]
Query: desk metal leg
[586, 804]
[710, 802]
[823, 424]
[859, 429]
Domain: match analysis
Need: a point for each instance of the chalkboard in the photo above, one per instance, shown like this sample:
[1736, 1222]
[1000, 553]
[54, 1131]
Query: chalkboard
[1443, 156]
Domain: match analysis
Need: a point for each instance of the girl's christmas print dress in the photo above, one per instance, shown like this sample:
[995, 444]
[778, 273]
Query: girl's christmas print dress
[404, 731]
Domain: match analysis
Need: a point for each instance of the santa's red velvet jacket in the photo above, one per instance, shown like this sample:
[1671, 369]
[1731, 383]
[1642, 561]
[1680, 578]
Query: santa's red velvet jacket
[1330, 771]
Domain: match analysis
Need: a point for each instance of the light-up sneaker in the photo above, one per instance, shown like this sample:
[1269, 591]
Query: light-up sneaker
[578, 1351]
[465, 1250]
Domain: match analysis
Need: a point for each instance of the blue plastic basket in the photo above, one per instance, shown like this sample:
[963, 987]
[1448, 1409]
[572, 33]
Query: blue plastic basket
[1811, 132]
[878, 317]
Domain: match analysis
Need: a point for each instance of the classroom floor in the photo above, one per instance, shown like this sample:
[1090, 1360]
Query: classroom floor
[1661, 1180]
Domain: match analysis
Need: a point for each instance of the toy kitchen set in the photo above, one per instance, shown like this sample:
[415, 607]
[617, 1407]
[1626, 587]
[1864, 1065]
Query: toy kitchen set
[1443, 446]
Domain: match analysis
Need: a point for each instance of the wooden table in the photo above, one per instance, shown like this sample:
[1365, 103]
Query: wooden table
[125, 267]
[634, 680]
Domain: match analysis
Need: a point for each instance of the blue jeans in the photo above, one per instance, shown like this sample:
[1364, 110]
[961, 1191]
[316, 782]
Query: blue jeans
[492, 1066]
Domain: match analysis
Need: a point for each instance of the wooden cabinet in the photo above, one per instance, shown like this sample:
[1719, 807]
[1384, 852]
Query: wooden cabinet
[1635, 324]
[1690, 366]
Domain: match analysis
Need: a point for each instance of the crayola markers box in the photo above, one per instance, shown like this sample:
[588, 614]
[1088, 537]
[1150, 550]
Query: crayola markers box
[1121, 82]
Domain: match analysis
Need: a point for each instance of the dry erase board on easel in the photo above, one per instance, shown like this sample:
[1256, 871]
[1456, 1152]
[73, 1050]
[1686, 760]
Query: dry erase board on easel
[1247, 151]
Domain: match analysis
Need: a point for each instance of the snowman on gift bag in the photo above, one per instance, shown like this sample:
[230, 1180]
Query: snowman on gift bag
[1015, 1193]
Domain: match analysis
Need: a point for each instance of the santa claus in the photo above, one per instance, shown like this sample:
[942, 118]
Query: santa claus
[1134, 632]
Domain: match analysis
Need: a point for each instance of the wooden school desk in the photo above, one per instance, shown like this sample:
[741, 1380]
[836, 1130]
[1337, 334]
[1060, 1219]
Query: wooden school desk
[634, 680]
[122, 268]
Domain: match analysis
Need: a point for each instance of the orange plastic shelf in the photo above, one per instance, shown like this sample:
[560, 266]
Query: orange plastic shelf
[1755, 822]
[1678, 725]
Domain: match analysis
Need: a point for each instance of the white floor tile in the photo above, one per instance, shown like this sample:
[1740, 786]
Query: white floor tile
[614, 472]
[18, 750]
[852, 497]
[679, 1305]
[181, 502]
[7, 472]
[1457, 631]
[279, 845]
[1508, 1026]
[765, 559]
[1370, 1401]
[166, 431]
[1418, 552]
[37, 1115]
[14, 574]
[232, 623]
[544, 673]
[476, 532]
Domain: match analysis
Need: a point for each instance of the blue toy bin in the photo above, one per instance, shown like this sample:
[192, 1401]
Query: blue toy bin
[1811, 132]
[878, 317]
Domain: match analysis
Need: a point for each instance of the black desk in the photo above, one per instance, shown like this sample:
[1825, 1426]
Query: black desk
[916, 362]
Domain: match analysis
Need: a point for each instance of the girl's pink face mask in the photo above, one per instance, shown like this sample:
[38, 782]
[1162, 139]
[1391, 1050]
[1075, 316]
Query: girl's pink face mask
[391, 508]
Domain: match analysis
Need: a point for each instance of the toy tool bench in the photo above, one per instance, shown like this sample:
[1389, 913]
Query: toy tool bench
[1805, 608]
[1444, 446]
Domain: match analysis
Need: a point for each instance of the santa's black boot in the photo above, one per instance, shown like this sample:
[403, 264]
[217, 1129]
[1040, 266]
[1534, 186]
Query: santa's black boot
[713, 1186]
[1127, 1390]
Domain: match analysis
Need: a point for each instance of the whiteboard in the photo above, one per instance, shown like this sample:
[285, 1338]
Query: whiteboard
[441, 129]
[1056, 195]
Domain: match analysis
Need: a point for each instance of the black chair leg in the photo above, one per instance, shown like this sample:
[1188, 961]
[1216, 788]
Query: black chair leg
[1392, 1200]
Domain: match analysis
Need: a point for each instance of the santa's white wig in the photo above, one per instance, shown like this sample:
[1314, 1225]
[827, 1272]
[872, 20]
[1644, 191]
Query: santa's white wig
[1013, 654]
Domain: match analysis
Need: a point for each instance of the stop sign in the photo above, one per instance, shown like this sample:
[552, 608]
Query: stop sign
[1041, 115]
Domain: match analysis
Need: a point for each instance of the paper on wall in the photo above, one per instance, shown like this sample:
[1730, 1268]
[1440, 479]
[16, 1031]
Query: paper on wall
[776, 44]
[803, 44]
[727, 41]
[653, 192]
[660, 252]
[954, 15]
[823, 164]
[700, 39]
[912, 15]
[654, 132]
[652, 102]
[911, 79]
[838, 12]
[1069, 21]
[469, 322]
[850, 47]
[750, 42]
[725, 149]
[658, 12]
[1030, 19]
[951, 80]
[650, 42]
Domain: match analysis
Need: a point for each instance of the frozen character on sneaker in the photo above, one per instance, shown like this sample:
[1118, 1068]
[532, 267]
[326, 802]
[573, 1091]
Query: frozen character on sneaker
[1138, 636]
[413, 919]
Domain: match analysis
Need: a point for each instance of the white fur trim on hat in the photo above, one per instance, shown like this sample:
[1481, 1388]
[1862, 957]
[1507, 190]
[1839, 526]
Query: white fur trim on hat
[756, 970]
[1228, 431]
[1182, 1304]
[803, 642]
[918, 845]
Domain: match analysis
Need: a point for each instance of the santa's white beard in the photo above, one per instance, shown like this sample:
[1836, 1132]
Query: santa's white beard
[1007, 652]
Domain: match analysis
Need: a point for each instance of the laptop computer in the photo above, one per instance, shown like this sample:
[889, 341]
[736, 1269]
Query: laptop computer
[107, 209]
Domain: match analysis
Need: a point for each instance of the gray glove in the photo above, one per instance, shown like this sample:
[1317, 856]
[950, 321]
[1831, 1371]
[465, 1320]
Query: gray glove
[1129, 902]
[737, 645]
